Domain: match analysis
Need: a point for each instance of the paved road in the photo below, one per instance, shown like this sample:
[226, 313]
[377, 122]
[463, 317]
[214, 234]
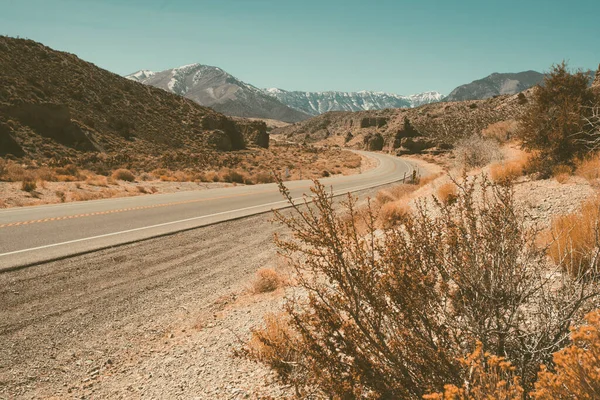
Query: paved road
[32, 235]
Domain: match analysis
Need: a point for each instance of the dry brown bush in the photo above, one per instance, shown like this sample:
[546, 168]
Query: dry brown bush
[277, 345]
[389, 313]
[393, 213]
[508, 172]
[123, 174]
[264, 177]
[574, 240]
[501, 131]
[267, 280]
[447, 193]
[97, 180]
[28, 185]
[475, 152]
[394, 193]
[589, 167]
[13, 172]
[562, 173]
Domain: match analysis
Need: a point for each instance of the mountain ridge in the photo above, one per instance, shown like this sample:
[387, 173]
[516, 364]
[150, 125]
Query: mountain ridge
[213, 87]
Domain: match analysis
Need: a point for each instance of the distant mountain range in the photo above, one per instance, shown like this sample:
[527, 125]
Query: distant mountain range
[315, 103]
[494, 85]
[215, 88]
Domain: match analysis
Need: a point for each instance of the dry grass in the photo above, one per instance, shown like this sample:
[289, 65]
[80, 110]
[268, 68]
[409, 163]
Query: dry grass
[394, 193]
[589, 168]
[562, 173]
[97, 180]
[123, 174]
[447, 193]
[393, 213]
[267, 280]
[508, 172]
[276, 344]
[573, 239]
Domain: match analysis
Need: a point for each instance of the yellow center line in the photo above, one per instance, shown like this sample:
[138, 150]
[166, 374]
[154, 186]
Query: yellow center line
[91, 214]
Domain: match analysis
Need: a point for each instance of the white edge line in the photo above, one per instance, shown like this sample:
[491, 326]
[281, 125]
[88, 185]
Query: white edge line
[181, 220]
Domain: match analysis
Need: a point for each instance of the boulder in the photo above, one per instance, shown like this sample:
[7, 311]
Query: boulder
[376, 122]
[417, 144]
[255, 133]
[54, 121]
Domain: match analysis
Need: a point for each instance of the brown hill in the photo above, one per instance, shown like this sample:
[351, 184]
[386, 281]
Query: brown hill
[428, 128]
[54, 106]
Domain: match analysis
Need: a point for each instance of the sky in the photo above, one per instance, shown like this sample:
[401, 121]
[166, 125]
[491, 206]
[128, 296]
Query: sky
[397, 46]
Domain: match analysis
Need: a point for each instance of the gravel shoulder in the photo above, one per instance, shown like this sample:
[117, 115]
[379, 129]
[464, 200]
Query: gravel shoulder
[161, 318]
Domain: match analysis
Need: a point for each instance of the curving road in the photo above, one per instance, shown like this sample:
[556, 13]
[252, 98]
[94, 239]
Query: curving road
[32, 235]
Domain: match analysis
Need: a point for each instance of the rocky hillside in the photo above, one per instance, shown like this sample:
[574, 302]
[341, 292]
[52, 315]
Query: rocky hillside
[54, 105]
[215, 88]
[431, 128]
[315, 103]
[494, 85]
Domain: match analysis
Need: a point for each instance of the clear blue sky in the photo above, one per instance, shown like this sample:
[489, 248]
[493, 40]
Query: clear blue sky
[401, 46]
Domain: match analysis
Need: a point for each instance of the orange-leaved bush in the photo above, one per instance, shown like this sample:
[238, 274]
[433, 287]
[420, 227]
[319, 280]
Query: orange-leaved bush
[389, 313]
[576, 372]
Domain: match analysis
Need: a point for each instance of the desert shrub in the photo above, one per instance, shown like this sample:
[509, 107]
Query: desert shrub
[475, 152]
[555, 122]
[28, 185]
[145, 176]
[574, 240]
[123, 174]
[576, 371]
[508, 172]
[278, 346]
[61, 195]
[267, 280]
[393, 213]
[97, 180]
[562, 173]
[264, 177]
[232, 175]
[325, 174]
[588, 167]
[394, 193]
[13, 172]
[45, 174]
[447, 193]
[389, 313]
[501, 131]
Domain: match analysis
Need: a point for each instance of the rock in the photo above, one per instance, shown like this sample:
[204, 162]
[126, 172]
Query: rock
[54, 121]
[377, 122]
[255, 133]
[8, 144]
[374, 142]
[417, 144]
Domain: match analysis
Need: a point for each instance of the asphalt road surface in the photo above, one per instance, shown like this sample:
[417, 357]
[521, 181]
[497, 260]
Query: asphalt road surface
[32, 235]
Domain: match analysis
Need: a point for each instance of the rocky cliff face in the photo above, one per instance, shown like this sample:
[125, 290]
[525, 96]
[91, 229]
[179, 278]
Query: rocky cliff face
[212, 87]
[54, 105]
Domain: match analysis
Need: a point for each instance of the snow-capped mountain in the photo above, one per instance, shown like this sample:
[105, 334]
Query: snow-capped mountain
[215, 88]
[315, 103]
